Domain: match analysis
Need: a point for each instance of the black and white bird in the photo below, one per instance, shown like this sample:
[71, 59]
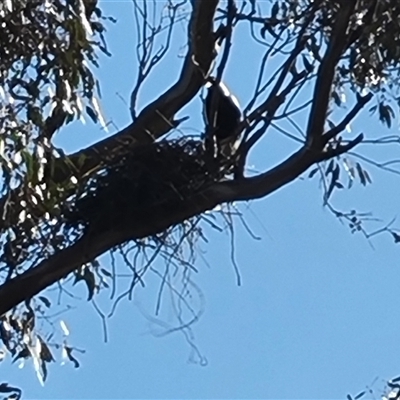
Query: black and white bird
[223, 116]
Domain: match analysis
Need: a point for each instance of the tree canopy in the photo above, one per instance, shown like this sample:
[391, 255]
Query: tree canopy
[148, 188]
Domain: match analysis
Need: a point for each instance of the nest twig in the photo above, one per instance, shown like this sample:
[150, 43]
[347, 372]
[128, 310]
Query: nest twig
[165, 172]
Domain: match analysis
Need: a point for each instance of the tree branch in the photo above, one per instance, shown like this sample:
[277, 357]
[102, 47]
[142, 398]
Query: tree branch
[362, 101]
[340, 149]
[158, 117]
[273, 101]
[150, 222]
[326, 73]
[151, 124]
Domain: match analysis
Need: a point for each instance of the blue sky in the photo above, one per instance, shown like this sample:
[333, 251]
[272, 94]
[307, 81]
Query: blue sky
[316, 316]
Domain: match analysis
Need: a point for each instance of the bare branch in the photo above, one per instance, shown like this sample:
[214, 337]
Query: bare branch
[340, 149]
[272, 103]
[228, 38]
[146, 58]
[279, 99]
[268, 182]
[326, 73]
[362, 101]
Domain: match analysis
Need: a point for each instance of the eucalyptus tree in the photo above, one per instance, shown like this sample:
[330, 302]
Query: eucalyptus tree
[142, 192]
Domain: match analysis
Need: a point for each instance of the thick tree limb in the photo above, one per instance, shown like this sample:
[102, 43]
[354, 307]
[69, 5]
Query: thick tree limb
[157, 118]
[152, 123]
[150, 222]
[158, 219]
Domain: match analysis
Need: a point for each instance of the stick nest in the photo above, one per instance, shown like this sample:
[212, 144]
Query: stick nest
[166, 172]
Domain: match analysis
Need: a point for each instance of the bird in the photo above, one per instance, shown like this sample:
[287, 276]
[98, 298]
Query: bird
[223, 116]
